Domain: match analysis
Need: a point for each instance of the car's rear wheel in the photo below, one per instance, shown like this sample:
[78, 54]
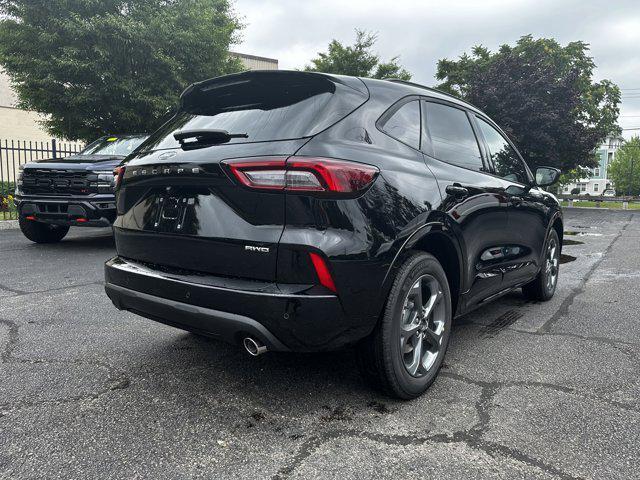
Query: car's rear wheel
[405, 352]
[42, 232]
[544, 285]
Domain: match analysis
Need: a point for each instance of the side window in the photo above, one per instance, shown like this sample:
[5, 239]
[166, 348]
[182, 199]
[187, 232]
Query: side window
[404, 124]
[452, 137]
[507, 163]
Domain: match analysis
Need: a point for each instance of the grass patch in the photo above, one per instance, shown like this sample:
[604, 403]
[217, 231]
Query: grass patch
[603, 204]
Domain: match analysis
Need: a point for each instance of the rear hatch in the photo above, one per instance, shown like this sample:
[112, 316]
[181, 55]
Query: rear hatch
[179, 205]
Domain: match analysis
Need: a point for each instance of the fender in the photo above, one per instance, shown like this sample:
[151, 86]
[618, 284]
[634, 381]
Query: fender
[557, 214]
[434, 227]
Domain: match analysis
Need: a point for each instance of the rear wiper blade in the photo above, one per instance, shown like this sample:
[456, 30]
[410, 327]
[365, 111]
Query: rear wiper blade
[204, 137]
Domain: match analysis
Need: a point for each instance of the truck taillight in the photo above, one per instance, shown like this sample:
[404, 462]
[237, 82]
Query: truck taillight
[303, 174]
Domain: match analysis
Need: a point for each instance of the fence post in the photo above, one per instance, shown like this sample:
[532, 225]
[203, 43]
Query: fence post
[625, 205]
[570, 202]
[53, 147]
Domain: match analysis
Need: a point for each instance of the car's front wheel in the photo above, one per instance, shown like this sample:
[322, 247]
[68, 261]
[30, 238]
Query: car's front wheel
[544, 285]
[40, 232]
[405, 352]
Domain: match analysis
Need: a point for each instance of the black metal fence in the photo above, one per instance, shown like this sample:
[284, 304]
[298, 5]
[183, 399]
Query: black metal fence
[14, 153]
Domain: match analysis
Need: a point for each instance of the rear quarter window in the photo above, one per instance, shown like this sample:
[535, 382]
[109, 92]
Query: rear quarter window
[404, 124]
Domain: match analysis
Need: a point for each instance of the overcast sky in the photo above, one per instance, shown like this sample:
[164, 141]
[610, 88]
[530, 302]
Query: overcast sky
[421, 32]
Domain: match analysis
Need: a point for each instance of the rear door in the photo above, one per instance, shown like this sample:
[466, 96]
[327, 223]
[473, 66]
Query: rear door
[180, 206]
[474, 201]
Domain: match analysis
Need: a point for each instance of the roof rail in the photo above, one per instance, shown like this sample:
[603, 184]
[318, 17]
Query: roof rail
[406, 82]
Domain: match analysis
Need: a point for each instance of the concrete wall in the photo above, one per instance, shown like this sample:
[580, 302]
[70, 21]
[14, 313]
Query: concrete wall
[16, 124]
[7, 97]
[254, 62]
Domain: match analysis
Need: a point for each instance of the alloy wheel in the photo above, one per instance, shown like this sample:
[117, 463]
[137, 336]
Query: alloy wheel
[552, 262]
[422, 326]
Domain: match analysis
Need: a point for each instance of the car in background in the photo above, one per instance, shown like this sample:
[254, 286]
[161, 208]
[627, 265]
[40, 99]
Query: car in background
[55, 194]
[609, 192]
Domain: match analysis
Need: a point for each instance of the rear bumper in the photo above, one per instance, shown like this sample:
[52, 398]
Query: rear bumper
[284, 317]
[98, 211]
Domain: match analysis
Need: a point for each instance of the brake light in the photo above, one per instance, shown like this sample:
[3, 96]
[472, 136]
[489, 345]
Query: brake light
[118, 173]
[302, 174]
[322, 271]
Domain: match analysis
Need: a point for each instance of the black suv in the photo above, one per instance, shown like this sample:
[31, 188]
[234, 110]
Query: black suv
[55, 194]
[293, 211]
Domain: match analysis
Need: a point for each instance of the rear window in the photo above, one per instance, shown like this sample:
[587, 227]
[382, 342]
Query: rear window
[113, 145]
[264, 106]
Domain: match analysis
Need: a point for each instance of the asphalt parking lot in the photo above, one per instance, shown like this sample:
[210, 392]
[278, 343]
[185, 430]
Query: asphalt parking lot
[528, 390]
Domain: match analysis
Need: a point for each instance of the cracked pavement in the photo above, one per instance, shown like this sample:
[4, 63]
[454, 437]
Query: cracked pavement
[528, 390]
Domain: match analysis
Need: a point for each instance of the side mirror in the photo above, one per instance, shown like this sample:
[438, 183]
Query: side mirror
[546, 176]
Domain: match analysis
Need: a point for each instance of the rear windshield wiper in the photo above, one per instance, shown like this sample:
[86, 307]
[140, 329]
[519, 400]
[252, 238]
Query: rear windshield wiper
[205, 137]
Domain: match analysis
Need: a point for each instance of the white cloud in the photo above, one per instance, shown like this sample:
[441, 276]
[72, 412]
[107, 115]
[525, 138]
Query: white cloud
[422, 32]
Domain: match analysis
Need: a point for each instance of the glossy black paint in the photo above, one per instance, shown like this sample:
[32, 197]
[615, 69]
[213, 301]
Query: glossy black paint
[487, 231]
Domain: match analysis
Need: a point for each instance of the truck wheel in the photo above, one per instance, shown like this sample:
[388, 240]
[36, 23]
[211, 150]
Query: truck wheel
[544, 285]
[405, 352]
[39, 232]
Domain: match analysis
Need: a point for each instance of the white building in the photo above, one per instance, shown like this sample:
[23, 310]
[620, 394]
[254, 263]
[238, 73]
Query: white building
[598, 181]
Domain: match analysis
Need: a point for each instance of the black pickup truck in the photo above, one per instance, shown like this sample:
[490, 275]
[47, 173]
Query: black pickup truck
[53, 195]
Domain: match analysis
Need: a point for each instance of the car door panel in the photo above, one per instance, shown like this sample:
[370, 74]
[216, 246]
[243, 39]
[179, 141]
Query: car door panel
[526, 219]
[473, 201]
[479, 218]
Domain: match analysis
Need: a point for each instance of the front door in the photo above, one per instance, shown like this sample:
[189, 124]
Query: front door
[527, 212]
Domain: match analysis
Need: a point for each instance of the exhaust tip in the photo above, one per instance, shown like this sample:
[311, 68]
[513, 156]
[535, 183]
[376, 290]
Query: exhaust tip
[254, 347]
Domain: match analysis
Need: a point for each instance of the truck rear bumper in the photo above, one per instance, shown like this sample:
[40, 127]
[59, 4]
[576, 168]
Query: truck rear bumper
[284, 317]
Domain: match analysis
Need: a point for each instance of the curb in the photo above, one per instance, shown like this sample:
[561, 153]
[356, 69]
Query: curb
[602, 208]
[8, 224]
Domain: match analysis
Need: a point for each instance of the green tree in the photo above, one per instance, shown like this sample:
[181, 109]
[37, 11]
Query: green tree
[543, 96]
[112, 66]
[358, 60]
[624, 170]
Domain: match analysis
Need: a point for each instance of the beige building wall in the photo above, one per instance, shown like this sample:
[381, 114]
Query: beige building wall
[254, 62]
[16, 124]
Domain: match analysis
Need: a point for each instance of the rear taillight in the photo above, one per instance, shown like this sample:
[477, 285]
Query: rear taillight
[118, 173]
[303, 174]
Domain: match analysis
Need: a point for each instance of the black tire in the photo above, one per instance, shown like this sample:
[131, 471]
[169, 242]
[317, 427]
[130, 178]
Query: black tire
[39, 232]
[541, 288]
[380, 356]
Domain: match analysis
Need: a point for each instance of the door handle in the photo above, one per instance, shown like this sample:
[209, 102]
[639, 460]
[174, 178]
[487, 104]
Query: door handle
[456, 190]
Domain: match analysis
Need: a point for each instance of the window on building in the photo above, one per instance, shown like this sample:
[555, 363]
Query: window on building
[609, 157]
[404, 124]
[505, 159]
[595, 187]
[451, 136]
[566, 188]
[596, 172]
[583, 187]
